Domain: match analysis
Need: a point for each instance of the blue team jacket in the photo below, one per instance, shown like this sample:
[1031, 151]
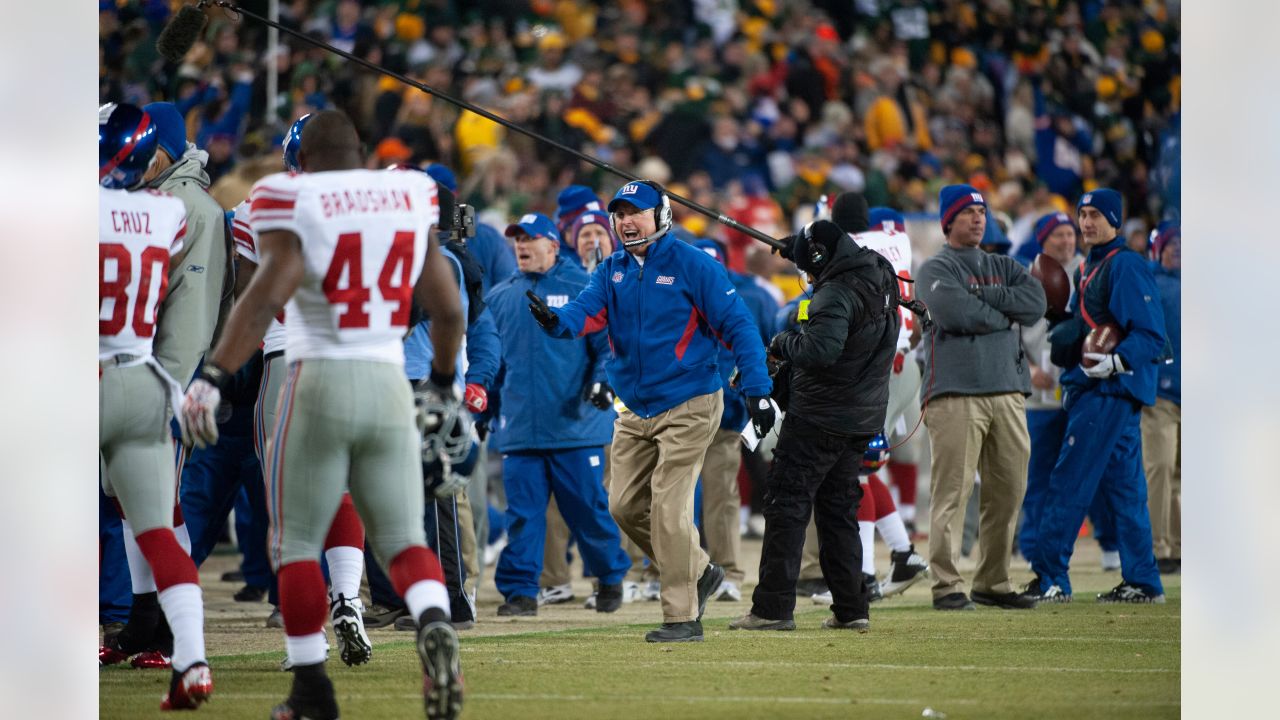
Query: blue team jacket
[1169, 380]
[1129, 297]
[543, 398]
[665, 321]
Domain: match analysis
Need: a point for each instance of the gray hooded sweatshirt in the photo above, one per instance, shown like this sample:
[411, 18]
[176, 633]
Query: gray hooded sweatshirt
[977, 300]
[193, 303]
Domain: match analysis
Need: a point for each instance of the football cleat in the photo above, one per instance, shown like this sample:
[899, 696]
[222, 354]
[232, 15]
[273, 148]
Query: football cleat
[188, 689]
[1126, 593]
[442, 685]
[108, 655]
[311, 697]
[555, 595]
[348, 627]
[906, 568]
[151, 660]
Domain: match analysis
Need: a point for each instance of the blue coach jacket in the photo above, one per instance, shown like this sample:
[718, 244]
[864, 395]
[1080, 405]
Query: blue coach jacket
[665, 321]
[1129, 297]
[543, 398]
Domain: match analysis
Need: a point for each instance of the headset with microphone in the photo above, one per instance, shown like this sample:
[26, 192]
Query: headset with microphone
[662, 215]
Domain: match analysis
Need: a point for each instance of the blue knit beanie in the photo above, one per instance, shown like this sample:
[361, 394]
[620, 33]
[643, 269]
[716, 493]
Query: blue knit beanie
[954, 198]
[886, 218]
[171, 129]
[1048, 223]
[444, 176]
[1106, 201]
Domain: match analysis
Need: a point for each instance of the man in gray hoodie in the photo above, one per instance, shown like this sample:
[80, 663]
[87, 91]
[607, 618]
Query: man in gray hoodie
[975, 401]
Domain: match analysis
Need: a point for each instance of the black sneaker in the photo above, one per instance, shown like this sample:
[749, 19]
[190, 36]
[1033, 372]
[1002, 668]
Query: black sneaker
[380, 616]
[707, 584]
[906, 568]
[1006, 601]
[1169, 566]
[311, 697]
[232, 576]
[1126, 593]
[442, 685]
[1052, 594]
[872, 587]
[518, 606]
[609, 598]
[954, 601]
[676, 632]
[249, 593]
[811, 586]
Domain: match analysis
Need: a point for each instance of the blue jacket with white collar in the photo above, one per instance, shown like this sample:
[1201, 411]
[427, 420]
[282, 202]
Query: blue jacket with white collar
[666, 320]
[543, 402]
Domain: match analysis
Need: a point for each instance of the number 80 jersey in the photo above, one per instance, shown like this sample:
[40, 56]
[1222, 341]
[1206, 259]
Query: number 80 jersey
[364, 236]
[137, 234]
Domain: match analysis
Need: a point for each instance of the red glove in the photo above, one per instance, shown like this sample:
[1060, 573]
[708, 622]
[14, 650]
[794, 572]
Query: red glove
[899, 359]
[476, 398]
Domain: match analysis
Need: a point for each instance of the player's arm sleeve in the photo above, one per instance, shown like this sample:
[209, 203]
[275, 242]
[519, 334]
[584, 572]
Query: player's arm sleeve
[484, 350]
[723, 309]
[1021, 298]
[1135, 303]
[952, 306]
[832, 312]
[588, 312]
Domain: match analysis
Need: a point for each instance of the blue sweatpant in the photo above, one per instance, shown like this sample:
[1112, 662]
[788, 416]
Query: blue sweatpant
[115, 594]
[576, 478]
[1101, 453]
[211, 483]
[1047, 428]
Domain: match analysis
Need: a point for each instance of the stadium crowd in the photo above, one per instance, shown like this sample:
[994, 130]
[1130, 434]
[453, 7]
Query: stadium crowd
[1035, 115]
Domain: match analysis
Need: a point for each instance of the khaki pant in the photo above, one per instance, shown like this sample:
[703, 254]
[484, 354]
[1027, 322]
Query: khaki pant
[721, 501]
[1162, 458]
[809, 567]
[656, 462]
[135, 446]
[986, 434]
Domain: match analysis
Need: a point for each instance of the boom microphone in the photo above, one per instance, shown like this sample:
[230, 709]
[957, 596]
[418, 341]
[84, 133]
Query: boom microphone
[181, 33]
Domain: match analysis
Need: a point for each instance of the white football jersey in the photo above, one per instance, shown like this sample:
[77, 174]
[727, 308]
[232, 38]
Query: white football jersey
[137, 234]
[364, 236]
[247, 247]
[896, 248]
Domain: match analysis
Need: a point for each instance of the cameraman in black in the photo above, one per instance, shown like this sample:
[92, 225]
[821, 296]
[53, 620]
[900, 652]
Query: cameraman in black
[838, 393]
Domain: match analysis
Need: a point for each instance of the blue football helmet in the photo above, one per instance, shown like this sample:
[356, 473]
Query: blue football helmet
[877, 454]
[127, 143]
[293, 141]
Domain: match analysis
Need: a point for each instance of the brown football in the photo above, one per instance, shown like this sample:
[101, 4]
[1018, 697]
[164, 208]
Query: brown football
[1102, 339]
[1057, 286]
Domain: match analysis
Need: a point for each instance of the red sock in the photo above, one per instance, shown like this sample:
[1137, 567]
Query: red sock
[303, 600]
[744, 483]
[169, 563]
[867, 508]
[884, 500]
[346, 529]
[904, 475]
[414, 563]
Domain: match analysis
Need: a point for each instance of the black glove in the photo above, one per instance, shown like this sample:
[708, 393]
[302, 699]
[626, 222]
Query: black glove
[775, 345]
[761, 414]
[601, 395]
[547, 319]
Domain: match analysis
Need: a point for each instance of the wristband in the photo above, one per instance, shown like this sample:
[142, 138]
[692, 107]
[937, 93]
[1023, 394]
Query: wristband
[217, 377]
[440, 379]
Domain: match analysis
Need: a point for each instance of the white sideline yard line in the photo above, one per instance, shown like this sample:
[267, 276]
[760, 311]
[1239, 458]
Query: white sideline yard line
[850, 666]
[651, 699]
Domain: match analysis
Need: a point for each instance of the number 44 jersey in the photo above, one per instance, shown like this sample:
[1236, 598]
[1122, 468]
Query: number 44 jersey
[364, 236]
[137, 234]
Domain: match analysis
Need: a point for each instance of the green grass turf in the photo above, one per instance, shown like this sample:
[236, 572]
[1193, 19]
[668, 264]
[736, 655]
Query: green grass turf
[1080, 660]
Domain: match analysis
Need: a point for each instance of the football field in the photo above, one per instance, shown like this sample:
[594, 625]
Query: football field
[1060, 661]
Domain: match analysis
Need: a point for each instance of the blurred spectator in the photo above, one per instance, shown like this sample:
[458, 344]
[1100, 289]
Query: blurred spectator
[1162, 422]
